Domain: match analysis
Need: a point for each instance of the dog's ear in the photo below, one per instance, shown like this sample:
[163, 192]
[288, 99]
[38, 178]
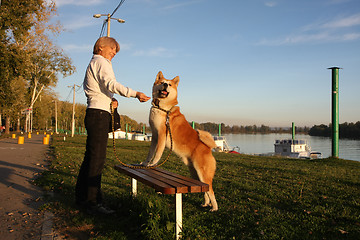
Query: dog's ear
[176, 80]
[159, 76]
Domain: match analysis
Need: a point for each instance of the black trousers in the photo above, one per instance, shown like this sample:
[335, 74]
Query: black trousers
[88, 185]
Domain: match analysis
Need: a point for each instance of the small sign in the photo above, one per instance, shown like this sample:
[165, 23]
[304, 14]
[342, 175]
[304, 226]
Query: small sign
[26, 111]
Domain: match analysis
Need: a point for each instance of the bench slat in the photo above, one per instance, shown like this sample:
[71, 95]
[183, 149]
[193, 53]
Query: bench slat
[157, 185]
[194, 185]
[164, 181]
[191, 186]
[179, 187]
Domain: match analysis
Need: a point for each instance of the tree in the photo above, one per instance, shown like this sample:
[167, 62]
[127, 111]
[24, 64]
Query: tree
[320, 130]
[45, 64]
[29, 54]
[46, 58]
[15, 21]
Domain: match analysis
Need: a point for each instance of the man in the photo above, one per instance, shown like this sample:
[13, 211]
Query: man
[99, 85]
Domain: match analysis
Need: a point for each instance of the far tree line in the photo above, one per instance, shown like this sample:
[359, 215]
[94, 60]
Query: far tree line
[346, 130]
[248, 129]
[44, 117]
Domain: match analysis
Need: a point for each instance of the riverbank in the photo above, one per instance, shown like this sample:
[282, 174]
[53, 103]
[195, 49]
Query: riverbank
[258, 197]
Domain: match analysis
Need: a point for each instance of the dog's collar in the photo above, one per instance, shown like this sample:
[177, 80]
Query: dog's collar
[156, 104]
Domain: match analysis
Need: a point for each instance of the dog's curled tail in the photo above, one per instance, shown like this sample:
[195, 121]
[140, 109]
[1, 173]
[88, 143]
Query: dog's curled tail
[207, 139]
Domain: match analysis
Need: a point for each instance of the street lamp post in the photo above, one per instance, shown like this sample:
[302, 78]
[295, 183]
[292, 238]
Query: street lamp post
[73, 113]
[108, 16]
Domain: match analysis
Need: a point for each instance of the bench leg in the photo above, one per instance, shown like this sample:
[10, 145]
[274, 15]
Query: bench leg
[178, 214]
[134, 187]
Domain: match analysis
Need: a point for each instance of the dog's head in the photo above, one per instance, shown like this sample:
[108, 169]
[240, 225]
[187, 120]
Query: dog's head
[165, 91]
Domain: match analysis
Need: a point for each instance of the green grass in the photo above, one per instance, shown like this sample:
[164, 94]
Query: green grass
[258, 197]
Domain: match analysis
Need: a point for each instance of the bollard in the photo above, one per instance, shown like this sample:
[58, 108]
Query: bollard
[29, 135]
[21, 140]
[13, 135]
[46, 141]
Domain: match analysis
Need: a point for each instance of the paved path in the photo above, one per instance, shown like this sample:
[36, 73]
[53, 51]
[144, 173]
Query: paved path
[19, 199]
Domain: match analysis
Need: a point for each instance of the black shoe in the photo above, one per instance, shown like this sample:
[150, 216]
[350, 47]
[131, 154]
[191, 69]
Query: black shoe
[100, 209]
[81, 204]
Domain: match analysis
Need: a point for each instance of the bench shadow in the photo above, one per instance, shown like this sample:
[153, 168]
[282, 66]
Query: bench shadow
[126, 223]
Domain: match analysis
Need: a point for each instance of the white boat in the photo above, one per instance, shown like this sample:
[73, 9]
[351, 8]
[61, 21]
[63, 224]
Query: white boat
[119, 134]
[139, 137]
[295, 149]
[223, 146]
[221, 143]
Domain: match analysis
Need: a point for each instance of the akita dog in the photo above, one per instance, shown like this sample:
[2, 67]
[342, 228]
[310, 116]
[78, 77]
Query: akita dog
[193, 147]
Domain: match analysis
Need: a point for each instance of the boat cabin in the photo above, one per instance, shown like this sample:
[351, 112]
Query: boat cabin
[292, 148]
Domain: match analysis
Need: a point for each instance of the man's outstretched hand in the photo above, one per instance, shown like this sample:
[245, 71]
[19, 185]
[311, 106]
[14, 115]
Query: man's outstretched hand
[142, 97]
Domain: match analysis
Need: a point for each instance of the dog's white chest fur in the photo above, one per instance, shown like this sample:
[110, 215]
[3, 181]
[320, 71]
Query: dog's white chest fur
[157, 117]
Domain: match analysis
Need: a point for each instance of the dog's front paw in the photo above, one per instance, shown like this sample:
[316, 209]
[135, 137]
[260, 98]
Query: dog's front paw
[213, 209]
[146, 164]
[205, 205]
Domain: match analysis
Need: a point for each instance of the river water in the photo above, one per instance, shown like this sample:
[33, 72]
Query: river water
[264, 143]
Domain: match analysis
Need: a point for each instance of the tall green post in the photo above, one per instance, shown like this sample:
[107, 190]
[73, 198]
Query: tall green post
[293, 130]
[193, 124]
[335, 111]
[220, 130]
[126, 131]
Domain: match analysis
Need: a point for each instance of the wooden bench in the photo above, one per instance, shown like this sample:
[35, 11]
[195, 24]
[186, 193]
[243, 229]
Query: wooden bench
[167, 183]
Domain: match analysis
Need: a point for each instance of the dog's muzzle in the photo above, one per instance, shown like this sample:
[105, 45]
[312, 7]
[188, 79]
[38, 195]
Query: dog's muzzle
[163, 93]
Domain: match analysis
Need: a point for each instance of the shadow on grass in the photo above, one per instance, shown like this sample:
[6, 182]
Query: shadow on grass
[143, 217]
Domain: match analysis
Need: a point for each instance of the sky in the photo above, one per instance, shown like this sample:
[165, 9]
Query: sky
[239, 62]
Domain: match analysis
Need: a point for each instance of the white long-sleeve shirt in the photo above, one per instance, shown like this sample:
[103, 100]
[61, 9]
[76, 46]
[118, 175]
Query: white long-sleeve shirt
[100, 84]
